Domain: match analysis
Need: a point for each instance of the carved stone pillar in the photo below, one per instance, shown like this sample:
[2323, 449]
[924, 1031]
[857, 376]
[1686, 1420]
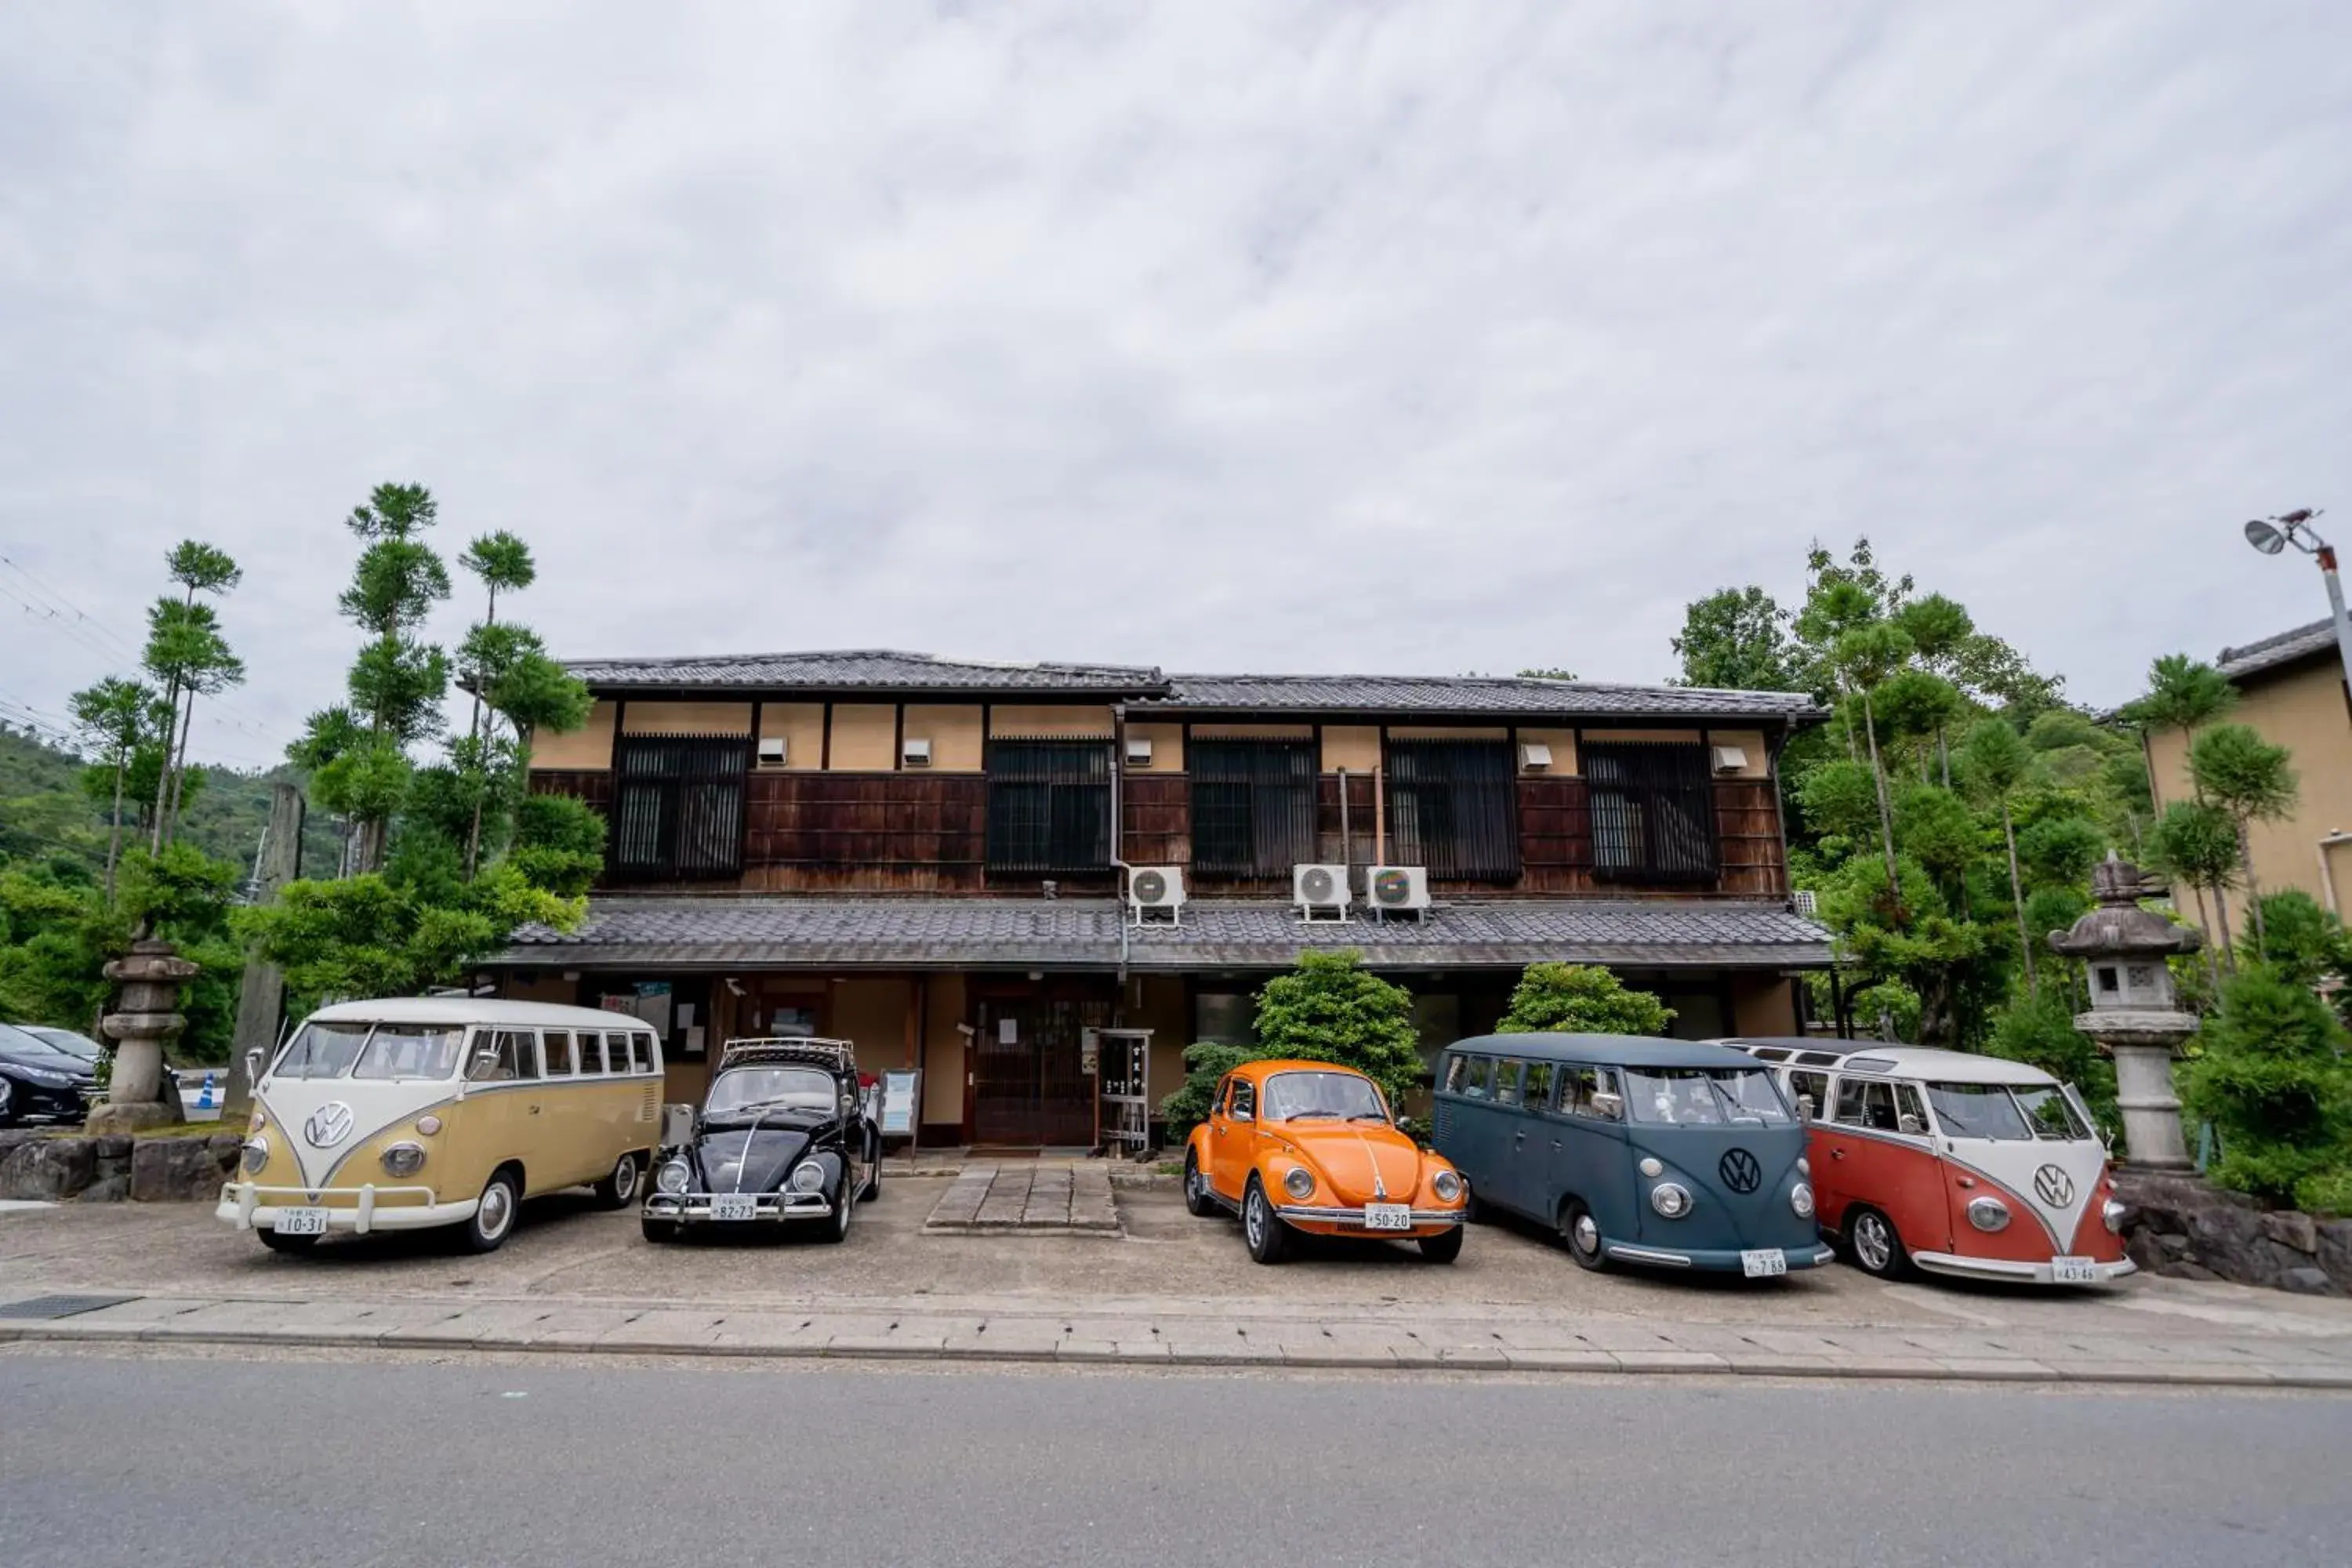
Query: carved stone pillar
[146, 1014]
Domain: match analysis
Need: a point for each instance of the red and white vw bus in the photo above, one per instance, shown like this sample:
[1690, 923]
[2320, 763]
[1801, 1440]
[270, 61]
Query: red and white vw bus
[1955, 1163]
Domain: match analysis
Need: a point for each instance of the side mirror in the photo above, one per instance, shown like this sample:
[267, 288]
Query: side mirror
[1608, 1104]
[252, 1067]
[1907, 1123]
[482, 1064]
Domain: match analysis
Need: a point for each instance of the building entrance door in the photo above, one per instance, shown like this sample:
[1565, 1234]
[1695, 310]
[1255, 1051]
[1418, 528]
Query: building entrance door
[1029, 1080]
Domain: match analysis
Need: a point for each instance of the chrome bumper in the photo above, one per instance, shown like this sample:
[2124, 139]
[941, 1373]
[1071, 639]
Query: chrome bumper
[1321, 1214]
[2005, 1269]
[251, 1207]
[1663, 1257]
[692, 1207]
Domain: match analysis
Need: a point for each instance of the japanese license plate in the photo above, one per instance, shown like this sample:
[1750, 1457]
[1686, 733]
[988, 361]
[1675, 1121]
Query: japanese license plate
[301, 1222]
[1388, 1216]
[1764, 1263]
[734, 1205]
[2074, 1271]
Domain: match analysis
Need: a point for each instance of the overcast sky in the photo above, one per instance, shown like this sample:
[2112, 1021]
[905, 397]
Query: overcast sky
[1277, 336]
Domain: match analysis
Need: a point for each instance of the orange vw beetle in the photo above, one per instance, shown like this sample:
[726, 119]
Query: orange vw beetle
[1309, 1146]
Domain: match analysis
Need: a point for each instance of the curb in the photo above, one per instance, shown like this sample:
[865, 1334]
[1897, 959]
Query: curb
[1559, 1363]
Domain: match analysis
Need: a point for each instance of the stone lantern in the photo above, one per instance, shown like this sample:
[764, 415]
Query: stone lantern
[146, 1014]
[2134, 1014]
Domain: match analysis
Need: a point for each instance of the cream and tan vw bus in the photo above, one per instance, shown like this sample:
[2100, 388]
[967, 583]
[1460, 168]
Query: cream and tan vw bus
[443, 1110]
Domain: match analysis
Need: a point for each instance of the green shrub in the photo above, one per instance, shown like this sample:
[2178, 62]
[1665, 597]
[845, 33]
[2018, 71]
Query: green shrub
[1332, 1009]
[2040, 1031]
[1580, 999]
[2274, 1082]
[1205, 1063]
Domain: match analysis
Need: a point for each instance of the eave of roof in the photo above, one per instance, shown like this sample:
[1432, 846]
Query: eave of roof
[2272, 652]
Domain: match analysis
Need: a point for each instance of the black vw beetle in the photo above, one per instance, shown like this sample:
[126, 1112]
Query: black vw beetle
[784, 1135]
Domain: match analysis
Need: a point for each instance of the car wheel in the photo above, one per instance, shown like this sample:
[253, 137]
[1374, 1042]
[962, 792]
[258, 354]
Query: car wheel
[1580, 1234]
[836, 1225]
[293, 1245]
[619, 1188]
[1443, 1248]
[662, 1231]
[1197, 1201]
[1268, 1236]
[1877, 1249]
[494, 1215]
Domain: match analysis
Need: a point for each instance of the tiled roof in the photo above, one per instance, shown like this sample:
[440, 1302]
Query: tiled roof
[1084, 932]
[1496, 697]
[1501, 696]
[856, 670]
[2237, 663]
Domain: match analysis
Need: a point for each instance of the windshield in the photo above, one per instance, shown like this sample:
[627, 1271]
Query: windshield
[26, 1044]
[410, 1051]
[771, 1088]
[81, 1048]
[2009, 1112]
[322, 1050]
[1704, 1097]
[1322, 1097]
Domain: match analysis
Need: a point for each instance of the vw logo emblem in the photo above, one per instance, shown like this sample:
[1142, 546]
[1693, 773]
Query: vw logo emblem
[2054, 1187]
[1740, 1171]
[328, 1125]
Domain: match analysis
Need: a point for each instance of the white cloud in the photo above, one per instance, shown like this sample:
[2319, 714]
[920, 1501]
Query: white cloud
[1209, 335]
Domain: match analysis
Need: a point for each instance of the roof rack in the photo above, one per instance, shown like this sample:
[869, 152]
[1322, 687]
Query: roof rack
[839, 1055]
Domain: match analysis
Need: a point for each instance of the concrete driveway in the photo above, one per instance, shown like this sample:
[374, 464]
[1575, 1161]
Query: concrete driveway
[567, 1249]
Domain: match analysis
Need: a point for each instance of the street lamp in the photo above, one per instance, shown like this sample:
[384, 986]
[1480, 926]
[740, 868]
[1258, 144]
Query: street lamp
[2272, 534]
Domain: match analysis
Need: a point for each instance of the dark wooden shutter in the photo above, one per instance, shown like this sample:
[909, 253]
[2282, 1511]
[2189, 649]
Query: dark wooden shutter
[1652, 812]
[677, 812]
[1453, 808]
[1048, 808]
[1253, 806]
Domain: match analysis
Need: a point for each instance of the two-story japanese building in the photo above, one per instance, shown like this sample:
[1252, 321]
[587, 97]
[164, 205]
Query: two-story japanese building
[965, 867]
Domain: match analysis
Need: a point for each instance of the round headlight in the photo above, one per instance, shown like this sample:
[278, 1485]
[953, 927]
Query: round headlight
[808, 1176]
[1988, 1214]
[2113, 1214]
[257, 1155]
[1805, 1166]
[404, 1159]
[1651, 1167]
[1670, 1200]
[1447, 1185]
[671, 1178]
[1800, 1198]
[1298, 1182]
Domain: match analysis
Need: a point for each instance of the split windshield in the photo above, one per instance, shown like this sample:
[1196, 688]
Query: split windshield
[1322, 1097]
[2005, 1112]
[771, 1089]
[1704, 1097]
[367, 1050]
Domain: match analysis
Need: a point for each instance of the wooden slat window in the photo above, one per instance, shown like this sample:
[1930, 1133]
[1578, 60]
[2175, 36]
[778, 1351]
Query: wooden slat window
[1048, 808]
[1652, 812]
[1253, 806]
[677, 811]
[1453, 808]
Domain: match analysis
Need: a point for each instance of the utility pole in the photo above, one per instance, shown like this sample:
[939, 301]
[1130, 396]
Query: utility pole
[2272, 534]
[263, 998]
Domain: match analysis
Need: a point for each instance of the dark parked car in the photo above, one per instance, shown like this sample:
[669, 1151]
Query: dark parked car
[38, 1082]
[784, 1135]
[89, 1050]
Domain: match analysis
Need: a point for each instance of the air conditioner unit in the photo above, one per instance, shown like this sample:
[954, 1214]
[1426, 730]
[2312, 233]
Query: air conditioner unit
[914, 753]
[1803, 901]
[1319, 892]
[1150, 888]
[1730, 760]
[1397, 889]
[1534, 755]
[1138, 751]
[771, 750]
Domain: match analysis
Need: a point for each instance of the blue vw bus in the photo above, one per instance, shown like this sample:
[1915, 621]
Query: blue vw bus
[1636, 1150]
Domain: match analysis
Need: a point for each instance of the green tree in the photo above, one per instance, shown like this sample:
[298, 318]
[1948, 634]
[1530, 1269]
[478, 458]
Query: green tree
[1866, 658]
[1206, 1063]
[1332, 1009]
[1580, 999]
[2040, 1031]
[2274, 1081]
[1737, 639]
[2251, 780]
[1995, 760]
[2300, 938]
[2196, 844]
[113, 717]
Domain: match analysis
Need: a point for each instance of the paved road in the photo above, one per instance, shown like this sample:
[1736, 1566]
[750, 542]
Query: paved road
[368, 1462]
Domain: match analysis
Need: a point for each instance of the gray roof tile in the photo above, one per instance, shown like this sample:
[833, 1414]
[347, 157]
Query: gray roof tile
[876, 669]
[1501, 696]
[942, 932]
[2237, 663]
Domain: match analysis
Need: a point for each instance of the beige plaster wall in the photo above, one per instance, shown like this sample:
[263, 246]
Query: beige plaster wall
[957, 735]
[802, 725]
[1167, 747]
[1563, 751]
[873, 1011]
[1043, 718]
[864, 738]
[688, 719]
[943, 1050]
[589, 746]
[1355, 747]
